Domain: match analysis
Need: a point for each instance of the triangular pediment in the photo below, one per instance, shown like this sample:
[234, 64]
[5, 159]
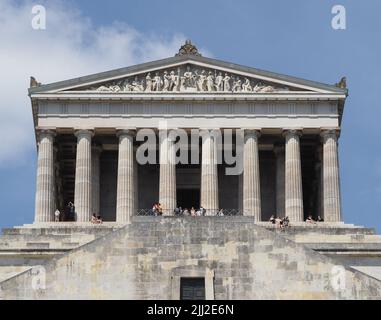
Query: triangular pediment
[188, 73]
[189, 78]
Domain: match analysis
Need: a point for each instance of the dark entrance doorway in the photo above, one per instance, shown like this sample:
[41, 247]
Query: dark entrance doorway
[192, 288]
[188, 198]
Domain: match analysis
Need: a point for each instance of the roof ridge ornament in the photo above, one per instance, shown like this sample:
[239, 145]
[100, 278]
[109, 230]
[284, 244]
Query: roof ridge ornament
[188, 48]
[342, 83]
[34, 82]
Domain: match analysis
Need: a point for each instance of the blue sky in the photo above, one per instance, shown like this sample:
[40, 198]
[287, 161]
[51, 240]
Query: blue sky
[293, 37]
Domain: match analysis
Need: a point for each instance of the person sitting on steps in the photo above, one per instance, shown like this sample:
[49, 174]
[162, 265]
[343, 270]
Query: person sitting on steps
[310, 220]
[94, 218]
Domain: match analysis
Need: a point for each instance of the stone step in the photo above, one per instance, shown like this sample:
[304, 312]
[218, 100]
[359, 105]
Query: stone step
[340, 238]
[297, 229]
[64, 229]
[52, 236]
[44, 241]
[345, 247]
[7, 272]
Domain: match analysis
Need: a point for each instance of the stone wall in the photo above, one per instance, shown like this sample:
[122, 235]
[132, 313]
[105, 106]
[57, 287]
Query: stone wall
[238, 259]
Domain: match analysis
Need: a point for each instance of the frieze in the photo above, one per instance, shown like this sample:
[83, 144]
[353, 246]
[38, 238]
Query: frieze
[187, 79]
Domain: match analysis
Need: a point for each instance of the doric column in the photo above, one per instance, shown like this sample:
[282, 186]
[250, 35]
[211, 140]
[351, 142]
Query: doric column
[209, 173]
[293, 191]
[331, 178]
[95, 184]
[82, 190]
[125, 202]
[45, 191]
[280, 181]
[167, 186]
[251, 177]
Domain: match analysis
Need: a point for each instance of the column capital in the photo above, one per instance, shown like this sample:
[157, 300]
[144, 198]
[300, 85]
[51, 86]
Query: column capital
[127, 131]
[330, 133]
[252, 132]
[213, 134]
[83, 133]
[45, 132]
[292, 132]
[173, 134]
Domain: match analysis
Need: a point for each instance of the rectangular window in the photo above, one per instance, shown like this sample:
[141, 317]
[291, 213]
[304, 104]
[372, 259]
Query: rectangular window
[192, 288]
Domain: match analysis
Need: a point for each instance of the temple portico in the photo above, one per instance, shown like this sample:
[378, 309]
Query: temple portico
[230, 139]
[105, 181]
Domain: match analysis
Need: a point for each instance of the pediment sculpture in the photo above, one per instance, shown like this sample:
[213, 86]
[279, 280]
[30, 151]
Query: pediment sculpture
[188, 79]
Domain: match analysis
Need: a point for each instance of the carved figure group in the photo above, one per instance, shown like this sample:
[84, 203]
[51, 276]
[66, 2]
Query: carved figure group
[188, 81]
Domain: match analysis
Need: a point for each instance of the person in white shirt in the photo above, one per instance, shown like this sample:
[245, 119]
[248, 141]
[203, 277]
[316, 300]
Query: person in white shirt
[57, 214]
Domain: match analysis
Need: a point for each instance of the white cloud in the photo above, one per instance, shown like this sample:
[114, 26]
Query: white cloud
[70, 46]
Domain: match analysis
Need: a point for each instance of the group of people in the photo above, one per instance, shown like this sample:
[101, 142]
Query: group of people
[157, 209]
[96, 219]
[312, 221]
[285, 222]
[282, 223]
[179, 211]
[69, 215]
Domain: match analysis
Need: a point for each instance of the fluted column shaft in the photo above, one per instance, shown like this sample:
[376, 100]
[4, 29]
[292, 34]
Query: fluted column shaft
[167, 186]
[95, 184]
[331, 178]
[293, 188]
[251, 176]
[280, 181]
[82, 190]
[126, 198]
[209, 173]
[45, 191]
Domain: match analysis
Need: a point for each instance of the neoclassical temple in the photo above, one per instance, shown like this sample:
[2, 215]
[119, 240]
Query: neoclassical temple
[89, 131]
[188, 131]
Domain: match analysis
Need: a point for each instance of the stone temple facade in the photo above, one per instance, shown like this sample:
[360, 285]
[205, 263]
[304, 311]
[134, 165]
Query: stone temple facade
[188, 131]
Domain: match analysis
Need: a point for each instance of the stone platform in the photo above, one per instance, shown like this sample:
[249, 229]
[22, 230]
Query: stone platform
[23, 247]
[146, 259]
